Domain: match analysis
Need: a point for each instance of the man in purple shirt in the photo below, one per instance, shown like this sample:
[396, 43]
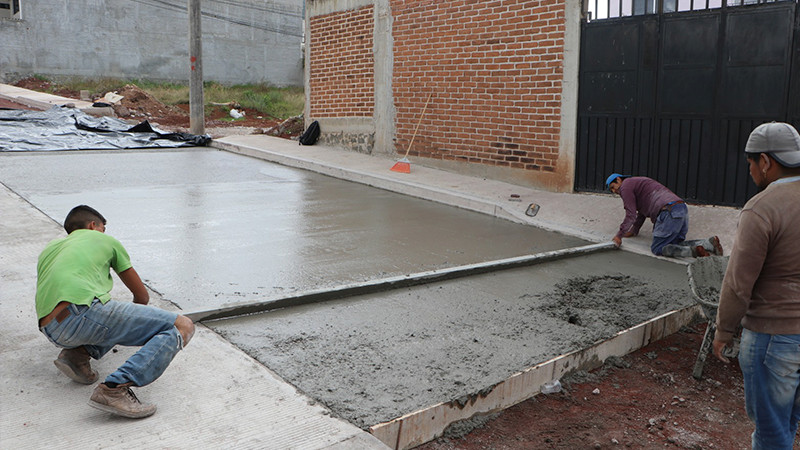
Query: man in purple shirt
[644, 197]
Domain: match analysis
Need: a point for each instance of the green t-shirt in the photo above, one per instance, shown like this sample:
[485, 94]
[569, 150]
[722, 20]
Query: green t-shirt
[76, 269]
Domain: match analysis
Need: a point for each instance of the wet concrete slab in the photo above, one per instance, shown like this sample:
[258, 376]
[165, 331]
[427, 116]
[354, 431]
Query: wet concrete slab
[377, 357]
[207, 228]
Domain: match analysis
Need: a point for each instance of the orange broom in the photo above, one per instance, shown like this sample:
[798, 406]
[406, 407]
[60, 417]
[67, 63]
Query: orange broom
[404, 165]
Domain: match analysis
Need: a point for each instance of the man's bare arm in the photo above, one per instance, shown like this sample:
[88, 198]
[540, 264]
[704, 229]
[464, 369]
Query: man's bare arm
[135, 285]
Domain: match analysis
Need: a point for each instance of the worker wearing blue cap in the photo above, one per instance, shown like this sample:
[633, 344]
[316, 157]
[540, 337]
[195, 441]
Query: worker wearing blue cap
[643, 198]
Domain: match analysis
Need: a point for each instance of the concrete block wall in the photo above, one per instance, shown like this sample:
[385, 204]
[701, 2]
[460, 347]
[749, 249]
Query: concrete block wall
[501, 77]
[244, 41]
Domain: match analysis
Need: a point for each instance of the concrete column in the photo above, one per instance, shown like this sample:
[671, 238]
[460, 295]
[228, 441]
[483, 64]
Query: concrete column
[196, 114]
[569, 96]
[385, 112]
[306, 63]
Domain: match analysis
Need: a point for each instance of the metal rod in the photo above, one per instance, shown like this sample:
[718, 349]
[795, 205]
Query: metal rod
[386, 284]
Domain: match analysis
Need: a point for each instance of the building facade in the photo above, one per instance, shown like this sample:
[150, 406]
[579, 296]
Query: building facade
[497, 81]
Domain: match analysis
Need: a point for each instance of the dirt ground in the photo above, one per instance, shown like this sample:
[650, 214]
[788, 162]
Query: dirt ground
[647, 399]
[137, 106]
[6, 104]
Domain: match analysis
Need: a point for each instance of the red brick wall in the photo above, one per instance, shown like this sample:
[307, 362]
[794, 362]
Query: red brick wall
[495, 71]
[341, 64]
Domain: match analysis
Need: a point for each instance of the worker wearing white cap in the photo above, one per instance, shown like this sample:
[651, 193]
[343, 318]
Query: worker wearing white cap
[761, 288]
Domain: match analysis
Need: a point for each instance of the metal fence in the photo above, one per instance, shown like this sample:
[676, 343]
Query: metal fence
[610, 9]
[674, 96]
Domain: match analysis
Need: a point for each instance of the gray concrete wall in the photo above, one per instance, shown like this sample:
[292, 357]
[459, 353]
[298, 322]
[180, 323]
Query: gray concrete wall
[244, 41]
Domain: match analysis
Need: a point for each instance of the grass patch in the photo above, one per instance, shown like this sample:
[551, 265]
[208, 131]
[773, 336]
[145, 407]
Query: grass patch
[278, 102]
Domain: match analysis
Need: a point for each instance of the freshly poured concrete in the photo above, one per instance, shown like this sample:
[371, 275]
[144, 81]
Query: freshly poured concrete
[375, 358]
[206, 228]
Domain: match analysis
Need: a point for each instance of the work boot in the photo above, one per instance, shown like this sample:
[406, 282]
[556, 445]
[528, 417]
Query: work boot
[716, 247]
[120, 401]
[700, 251]
[74, 363]
[710, 245]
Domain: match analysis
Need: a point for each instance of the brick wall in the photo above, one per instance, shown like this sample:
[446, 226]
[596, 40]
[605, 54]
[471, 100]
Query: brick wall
[341, 66]
[494, 69]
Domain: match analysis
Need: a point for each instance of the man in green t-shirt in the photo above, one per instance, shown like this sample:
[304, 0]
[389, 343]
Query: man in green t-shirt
[76, 313]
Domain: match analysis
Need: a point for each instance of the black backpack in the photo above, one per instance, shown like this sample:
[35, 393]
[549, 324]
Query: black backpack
[310, 136]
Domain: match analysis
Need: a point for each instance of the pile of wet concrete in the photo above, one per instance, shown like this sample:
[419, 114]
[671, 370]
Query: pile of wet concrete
[375, 358]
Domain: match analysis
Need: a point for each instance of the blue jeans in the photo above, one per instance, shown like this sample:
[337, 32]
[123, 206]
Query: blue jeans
[671, 227]
[770, 365]
[99, 327]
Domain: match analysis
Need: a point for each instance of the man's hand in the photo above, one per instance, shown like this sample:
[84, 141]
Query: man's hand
[719, 346]
[135, 285]
[617, 241]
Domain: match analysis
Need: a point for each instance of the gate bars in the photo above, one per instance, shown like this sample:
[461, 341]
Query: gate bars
[610, 9]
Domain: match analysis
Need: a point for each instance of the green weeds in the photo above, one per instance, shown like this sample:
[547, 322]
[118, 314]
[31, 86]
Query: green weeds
[278, 102]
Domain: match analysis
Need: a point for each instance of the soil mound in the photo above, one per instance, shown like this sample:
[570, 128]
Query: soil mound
[137, 103]
[38, 85]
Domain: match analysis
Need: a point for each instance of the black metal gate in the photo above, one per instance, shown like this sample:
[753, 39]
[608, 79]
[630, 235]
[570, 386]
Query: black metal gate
[674, 96]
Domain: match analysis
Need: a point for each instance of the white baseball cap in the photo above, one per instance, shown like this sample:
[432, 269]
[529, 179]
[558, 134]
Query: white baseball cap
[779, 139]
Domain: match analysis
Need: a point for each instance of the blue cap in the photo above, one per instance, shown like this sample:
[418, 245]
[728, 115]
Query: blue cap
[613, 177]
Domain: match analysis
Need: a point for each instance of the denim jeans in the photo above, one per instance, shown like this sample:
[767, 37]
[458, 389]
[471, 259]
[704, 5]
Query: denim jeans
[771, 368]
[671, 227]
[99, 327]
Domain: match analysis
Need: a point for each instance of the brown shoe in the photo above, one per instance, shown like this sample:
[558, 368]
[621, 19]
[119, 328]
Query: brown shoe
[74, 363]
[700, 252]
[714, 240]
[120, 401]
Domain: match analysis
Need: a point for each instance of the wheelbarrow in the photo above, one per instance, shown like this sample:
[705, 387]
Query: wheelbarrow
[705, 280]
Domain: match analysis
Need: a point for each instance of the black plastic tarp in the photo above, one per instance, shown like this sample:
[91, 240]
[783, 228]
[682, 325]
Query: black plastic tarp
[61, 128]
